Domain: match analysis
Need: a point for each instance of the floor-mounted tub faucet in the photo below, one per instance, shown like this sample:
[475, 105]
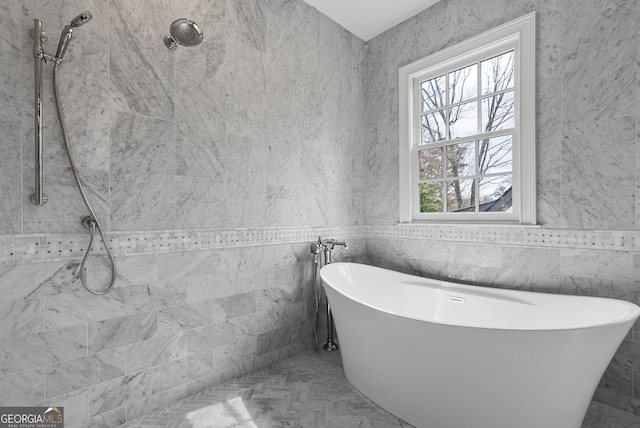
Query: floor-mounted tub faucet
[318, 247]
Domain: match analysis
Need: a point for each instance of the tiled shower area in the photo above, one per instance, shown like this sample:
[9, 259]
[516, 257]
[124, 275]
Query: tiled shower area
[212, 168]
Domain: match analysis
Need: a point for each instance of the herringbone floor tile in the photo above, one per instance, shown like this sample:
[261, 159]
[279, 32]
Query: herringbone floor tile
[306, 391]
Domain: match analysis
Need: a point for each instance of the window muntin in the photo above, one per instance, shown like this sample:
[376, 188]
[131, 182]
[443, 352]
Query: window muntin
[478, 100]
[470, 114]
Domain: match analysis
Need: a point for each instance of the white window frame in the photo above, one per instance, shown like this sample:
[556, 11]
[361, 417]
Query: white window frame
[518, 35]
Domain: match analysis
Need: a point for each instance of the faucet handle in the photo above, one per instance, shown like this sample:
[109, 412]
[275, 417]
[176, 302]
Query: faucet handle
[314, 247]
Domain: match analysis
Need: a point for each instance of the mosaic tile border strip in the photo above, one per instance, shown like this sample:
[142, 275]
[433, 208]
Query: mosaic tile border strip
[41, 247]
[514, 236]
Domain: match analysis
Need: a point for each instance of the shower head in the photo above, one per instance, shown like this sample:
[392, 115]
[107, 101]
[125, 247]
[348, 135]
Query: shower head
[183, 32]
[81, 19]
[67, 32]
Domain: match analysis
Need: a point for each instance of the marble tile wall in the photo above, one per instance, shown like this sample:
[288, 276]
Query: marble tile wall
[175, 324]
[264, 108]
[587, 66]
[211, 167]
[199, 163]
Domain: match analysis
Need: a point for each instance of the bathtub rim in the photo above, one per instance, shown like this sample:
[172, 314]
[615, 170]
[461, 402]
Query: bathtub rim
[632, 313]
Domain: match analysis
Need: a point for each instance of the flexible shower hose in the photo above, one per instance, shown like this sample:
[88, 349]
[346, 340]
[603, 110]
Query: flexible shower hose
[91, 222]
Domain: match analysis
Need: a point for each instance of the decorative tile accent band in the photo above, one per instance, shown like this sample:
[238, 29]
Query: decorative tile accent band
[513, 236]
[41, 247]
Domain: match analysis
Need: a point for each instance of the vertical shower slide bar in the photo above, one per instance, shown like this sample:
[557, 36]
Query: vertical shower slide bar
[38, 197]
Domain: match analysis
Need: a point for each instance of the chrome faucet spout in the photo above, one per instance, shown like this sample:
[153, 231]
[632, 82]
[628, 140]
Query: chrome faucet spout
[341, 244]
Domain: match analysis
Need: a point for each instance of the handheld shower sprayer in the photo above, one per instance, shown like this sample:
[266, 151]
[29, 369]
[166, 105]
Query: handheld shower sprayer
[91, 221]
[81, 19]
[67, 32]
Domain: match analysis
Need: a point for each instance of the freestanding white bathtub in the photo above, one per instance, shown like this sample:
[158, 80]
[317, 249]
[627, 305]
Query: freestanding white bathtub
[444, 355]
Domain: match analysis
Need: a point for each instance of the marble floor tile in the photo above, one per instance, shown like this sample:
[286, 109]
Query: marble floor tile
[307, 390]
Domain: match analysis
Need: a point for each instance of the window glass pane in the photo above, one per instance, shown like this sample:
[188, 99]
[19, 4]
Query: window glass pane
[497, 73]
[496, 155]
[431, 164]
[430, 197]
[461, 196]
[463, 84]
[463, 120]
[433, 93]
[461, 160]
[433, 127]
[495, 193]
[498, 112]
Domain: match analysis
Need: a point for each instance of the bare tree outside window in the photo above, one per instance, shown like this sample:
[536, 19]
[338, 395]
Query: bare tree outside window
[473, 101]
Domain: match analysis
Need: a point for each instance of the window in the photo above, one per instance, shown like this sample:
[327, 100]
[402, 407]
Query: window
[467, 130]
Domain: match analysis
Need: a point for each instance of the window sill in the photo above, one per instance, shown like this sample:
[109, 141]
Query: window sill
[470, 224]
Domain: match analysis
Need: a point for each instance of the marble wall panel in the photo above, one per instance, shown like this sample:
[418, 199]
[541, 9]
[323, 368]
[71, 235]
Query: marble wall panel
[10, 47]
[184, 370]
[38, 279]
[265, 257]
[179, 318]
[291, 27]
[201, 203]
[34, 350]
[207, 287]
[21, 317]
[20, 388]
[272, 340]
[296, 281]
[150, 353]
[243, 348]
[141, 66]
[200, 131]
[142, 165]
[133, 270]
[11, 178]
[69, 309]
[601, 154]
[115, 393]
[194, 264]
[65, 209]
[245, 180]
[234, 306]
[79, 373]
[116, 332]
[255, 279]
[604, 36]
[205, 338]
[146, 297]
